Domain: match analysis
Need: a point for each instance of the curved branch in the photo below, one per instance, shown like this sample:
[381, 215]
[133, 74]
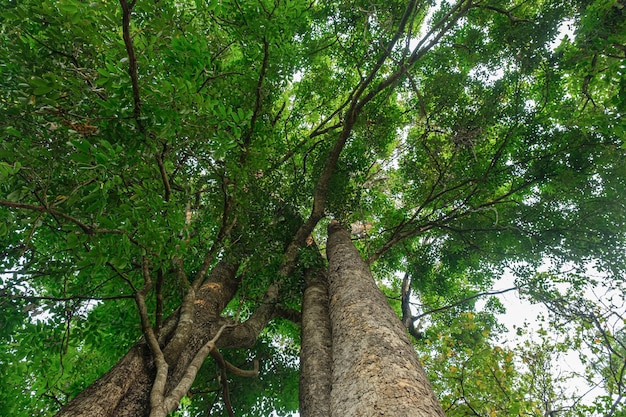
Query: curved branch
[247, 373]
[224, 366]
[223, 380]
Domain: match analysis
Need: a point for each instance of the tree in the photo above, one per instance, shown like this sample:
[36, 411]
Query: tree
[167, 169]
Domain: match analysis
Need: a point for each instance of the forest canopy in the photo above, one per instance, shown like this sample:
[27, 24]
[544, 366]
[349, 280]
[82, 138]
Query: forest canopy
[168, 172]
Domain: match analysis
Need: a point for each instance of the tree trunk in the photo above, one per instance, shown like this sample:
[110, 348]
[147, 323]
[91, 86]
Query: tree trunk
[315, 349]
[376, 371]
[125, 389]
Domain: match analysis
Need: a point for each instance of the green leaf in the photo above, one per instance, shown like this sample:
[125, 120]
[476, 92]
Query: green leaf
[13, 131]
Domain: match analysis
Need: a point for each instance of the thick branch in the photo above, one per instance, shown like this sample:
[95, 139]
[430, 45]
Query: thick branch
[407, 317]
[183, 328]
[131, 379]
[316, 346]
[246, 333]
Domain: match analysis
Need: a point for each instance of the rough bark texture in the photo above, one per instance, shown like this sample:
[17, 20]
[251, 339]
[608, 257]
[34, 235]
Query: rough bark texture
[125, 389]
[375, 369]
[316, 347]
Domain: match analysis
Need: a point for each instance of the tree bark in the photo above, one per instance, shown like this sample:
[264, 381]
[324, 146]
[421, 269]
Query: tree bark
[316, 347]
[375, 369]
[125, 389]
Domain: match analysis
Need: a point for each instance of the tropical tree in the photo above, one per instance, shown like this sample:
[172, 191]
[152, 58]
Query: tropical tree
[168, 171]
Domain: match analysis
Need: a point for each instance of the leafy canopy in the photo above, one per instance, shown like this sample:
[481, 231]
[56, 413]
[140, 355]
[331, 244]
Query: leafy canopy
[472, 139]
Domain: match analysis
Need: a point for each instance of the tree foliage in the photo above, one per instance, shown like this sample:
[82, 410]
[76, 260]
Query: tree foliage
[456, 139]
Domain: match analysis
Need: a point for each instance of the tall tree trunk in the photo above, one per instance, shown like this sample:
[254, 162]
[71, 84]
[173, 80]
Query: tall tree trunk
[125, 389]
[376, 371]
[316, 347]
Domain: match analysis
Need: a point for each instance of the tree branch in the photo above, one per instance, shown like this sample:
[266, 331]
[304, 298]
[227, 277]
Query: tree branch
[158, 314]
[158, 386]
[87, 229]
[72, 58]
[507, 13]
[227, 366]
[164, 177]
[64, 299]
[132, 61]
[288, 313]
[463, 301]
[173, 398]
[321, 189]
[183, 326]
[259, 95]
[420, 50]
[224, 381]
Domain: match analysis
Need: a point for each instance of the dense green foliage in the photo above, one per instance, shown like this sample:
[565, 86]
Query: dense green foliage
[477, 140]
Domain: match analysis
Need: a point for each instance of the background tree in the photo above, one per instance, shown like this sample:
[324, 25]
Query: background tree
[166, 169]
